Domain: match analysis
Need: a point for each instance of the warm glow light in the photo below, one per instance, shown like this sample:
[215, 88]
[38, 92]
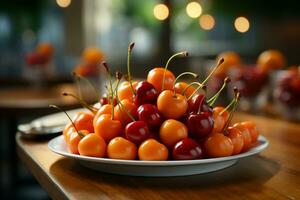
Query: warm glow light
[63, 3]
[161, 12]
[207, 22]
[194, 9]
[241, 24]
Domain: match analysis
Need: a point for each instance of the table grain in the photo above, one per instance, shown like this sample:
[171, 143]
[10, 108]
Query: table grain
[274, 174]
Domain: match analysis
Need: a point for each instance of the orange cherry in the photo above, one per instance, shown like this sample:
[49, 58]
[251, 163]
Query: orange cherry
[180, 87]
[172, 131]
[153, 150]
[245, 134]
[236, 138]
[45, 49]
[125, 91]
[252, 129]
[93, 55]
[75, 137]
[231, 60]
[155, 77]
[84, 121]
[218, 145]
[92, 145]
[220, 118]
[108, 128]
[270, 60]
[69, 128]
[172, 106]
[105, 109]
[122, 115]
[120, 148]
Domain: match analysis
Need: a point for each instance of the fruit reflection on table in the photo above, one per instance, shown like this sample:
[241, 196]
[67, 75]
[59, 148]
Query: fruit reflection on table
[160, 118]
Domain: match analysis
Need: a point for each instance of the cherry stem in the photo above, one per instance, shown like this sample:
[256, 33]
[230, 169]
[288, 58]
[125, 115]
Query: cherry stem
[200, 86]
[236, 100]
[60, 109]
[213, 99]
[220, 62]
[184, 53]
[130, 47]
[120, 104]
[77, 78]
[111, 89]
[90, 84]
[83, 103]
[227, 107]
[180, 75]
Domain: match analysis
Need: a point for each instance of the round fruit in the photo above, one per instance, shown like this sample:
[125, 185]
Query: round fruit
[120, 148]
[92, 145]
[153, 150]
[171, 131]
[187, 149]
[155, 77]
[218, 145]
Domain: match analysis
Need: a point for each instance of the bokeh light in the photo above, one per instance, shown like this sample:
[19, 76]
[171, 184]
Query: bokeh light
[194, 9]
[161, 12]
[63, 3]
[241, 24]
[207, 22]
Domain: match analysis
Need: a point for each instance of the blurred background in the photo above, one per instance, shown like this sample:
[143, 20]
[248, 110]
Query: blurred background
[43, 41]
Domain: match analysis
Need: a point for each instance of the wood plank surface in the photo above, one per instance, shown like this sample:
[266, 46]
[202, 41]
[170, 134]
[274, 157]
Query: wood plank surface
[274, 174]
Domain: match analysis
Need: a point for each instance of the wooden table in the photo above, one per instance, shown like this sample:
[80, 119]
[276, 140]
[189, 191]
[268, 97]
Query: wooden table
[274, 174]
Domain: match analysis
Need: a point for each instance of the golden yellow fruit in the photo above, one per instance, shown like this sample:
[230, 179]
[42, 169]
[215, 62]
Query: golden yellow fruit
[270, 60]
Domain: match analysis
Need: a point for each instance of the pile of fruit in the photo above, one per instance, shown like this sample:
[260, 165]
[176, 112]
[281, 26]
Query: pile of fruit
[160, 118]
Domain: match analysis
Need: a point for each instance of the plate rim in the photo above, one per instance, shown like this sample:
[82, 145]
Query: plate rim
[254, 150]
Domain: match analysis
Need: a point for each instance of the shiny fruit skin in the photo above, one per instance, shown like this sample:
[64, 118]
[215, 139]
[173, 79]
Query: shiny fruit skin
[108, 128]
[120, 148]
[236, 138]
[172, 131]
[92, 145]
[151, 149]
[105, 109]
[252, 129]
[218, 145]
[69, 128]
[181, 86]
[74, 141]
[187, 149]
[219, 119]
[137, 132]
[124, 90]
[155, 77]
[200, 125]
[197, 101]
[121, 114]
[170, 106]
[84, 121]
[145, 94]
[151, 115]
[246, 135]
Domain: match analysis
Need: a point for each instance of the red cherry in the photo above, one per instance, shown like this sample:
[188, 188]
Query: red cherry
[200, 124]
[145, 93]
[197, 101]
[137, 132]
[105, 100]
[187, 149]
[150, 114]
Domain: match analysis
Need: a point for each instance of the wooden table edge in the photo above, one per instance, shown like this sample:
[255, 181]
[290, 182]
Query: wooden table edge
[49, 184]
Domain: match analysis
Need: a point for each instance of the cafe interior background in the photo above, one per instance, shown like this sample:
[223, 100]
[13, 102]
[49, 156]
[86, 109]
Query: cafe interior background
[74, 33]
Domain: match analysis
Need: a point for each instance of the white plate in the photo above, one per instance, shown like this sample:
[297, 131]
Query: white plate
[154, 168]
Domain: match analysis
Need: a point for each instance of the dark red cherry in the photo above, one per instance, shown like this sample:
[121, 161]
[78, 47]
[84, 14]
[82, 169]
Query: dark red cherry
[200, 124]
[150, 114]
[195, 102]
[145, 93]
[187, 149]
[137, 132]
